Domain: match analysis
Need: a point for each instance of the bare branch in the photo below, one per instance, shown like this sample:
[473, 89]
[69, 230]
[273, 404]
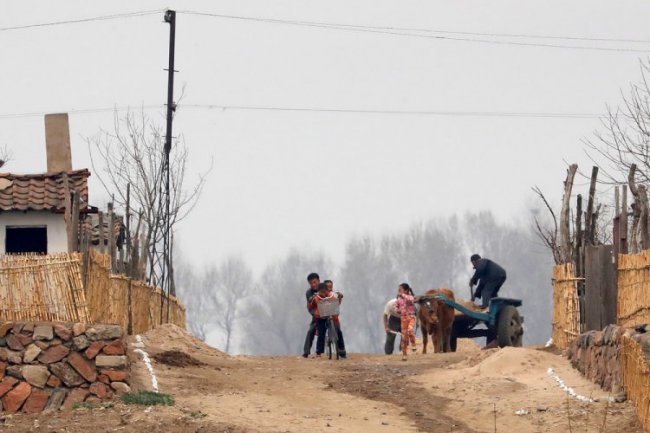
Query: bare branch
[133, 154]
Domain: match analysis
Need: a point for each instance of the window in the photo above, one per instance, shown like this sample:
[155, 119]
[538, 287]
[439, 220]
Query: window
[26, 240]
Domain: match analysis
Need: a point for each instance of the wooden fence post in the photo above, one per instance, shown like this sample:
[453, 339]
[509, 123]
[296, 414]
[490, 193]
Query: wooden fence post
[589, 223]
[111, 236]
[74, 222]
[565, 235]
[623, 249]
[130, 307]
[102, 245]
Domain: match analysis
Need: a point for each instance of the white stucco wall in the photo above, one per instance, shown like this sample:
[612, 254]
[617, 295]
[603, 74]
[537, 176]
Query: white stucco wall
[57, 240]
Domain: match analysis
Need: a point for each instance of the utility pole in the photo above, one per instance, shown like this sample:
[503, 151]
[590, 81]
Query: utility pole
[170, 18]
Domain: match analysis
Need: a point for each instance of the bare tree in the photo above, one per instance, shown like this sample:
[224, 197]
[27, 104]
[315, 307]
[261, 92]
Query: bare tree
[229, 285]
[276, 320]
[5, 155]
[200, 307]
[626, 137]
[133, 154]
[548, 235]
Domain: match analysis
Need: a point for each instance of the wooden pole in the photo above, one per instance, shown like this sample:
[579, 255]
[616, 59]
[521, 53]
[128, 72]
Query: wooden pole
[579, 239]
[589, 227]
[67, 210]
[643, 217]
[111, 236]
[102, 245]
[565, 235]
[636, 209]
[128, 230]
[130, 307]
[616, 224]
[623, 223]
[75, 221]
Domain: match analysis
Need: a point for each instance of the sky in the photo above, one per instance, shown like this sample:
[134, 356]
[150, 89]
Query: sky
[393, 125]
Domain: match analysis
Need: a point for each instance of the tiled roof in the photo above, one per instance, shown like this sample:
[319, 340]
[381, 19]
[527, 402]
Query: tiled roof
[41, 191]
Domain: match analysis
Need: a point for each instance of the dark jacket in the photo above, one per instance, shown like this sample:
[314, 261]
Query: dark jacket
[308, 294]
[487, 271]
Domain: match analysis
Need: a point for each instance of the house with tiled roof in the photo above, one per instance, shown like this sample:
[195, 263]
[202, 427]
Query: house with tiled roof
[36, 213]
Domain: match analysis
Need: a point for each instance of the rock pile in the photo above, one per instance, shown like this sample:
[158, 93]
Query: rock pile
[53, 365]
[597, 355]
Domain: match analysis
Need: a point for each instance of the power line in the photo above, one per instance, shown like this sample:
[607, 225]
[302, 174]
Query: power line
[83, 20]
[398, 112]
[210, 107]
[79, 111]
[515, 35]
[397, 31]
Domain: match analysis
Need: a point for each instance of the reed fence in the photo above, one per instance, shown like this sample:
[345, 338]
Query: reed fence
[37, 287]
[566, 309]
[636, 378]
[633, 298]
[79, 287]
[131, 303]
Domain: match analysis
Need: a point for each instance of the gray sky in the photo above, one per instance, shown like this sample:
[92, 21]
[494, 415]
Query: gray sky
[311, 179]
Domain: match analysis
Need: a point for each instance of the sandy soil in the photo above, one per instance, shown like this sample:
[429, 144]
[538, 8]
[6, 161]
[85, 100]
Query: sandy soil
[467, 391]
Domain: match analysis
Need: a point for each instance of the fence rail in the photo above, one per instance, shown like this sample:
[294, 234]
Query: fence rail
[79, 287]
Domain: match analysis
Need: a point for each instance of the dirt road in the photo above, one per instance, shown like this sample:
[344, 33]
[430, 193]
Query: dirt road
[503, 390]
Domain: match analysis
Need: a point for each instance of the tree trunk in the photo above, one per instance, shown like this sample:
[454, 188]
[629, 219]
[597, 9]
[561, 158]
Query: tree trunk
[637, 210]
[623, 248]
[589, 227]
[579, 237]
[565, 234]
[643, 217]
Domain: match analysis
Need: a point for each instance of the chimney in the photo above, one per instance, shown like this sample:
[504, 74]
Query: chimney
[57, 142]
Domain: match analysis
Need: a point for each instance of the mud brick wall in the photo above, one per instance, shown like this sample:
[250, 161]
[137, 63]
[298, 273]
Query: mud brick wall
[598, 356]
[53, 365]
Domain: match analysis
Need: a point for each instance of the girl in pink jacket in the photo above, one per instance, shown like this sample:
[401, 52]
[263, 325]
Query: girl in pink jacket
[405, 305]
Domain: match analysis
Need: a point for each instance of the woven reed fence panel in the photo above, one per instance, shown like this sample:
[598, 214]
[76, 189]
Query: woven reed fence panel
[633, 301]
[37, 287]
[636, 377]
[98, 288]
[109, 297]
[51, 288]
[566, 311]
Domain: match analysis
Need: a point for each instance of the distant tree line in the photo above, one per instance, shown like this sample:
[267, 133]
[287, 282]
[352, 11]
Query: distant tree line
[240, 314]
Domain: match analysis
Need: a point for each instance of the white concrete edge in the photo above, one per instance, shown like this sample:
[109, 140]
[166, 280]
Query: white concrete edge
[567, 389]
[147, 362]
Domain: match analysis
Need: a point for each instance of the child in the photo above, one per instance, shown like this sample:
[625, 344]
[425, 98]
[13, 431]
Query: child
[405, 306]
[337, 324]
[324, 293]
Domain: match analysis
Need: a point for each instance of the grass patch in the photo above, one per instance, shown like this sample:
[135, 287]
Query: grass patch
[148, 398]
[198, 414]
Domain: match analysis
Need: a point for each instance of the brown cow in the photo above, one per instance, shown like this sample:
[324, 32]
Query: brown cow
[436, 319]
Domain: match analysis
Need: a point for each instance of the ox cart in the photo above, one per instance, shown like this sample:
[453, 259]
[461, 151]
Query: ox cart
[501, 321]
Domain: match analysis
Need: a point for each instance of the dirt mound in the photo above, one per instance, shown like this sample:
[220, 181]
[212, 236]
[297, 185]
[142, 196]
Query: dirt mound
[176, 358]
[169, 337]
[467, 345]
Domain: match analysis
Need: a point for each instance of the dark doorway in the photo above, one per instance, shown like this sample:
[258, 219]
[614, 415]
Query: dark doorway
[26, 240]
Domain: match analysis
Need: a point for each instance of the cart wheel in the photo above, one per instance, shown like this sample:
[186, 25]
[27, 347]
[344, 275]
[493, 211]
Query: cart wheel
[509, 329]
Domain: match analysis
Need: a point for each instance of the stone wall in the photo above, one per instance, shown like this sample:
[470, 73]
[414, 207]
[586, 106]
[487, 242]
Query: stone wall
[53, 365]
[598, 356]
